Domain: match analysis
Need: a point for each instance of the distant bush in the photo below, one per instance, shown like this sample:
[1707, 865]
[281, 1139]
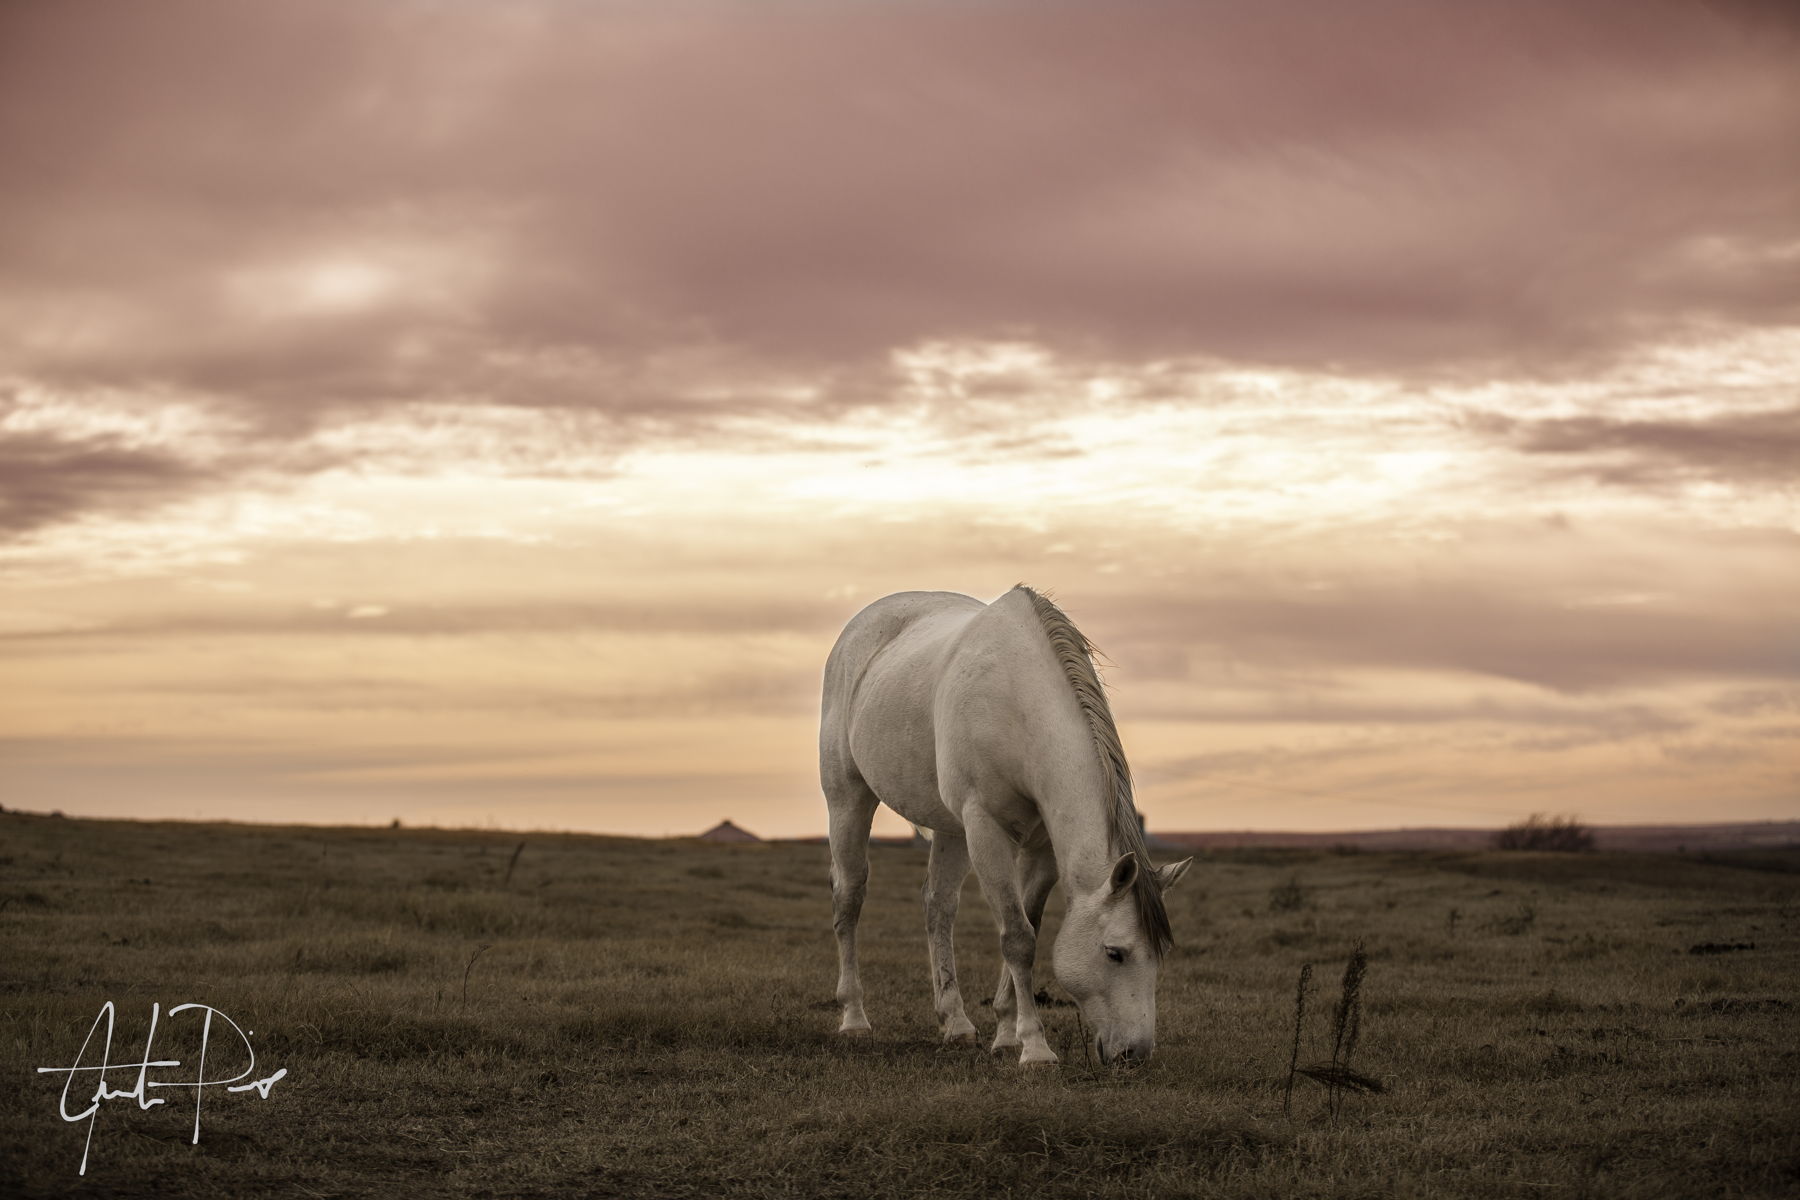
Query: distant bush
[1541, 831]
[1288, 897]
[1515, 923]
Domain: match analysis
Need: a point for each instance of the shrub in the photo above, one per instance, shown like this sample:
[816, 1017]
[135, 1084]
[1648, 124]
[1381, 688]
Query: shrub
[1541, 831]
[1516, 923]
[1288, 897]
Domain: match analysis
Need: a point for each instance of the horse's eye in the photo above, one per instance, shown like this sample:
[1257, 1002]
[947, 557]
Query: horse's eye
[1117, 955]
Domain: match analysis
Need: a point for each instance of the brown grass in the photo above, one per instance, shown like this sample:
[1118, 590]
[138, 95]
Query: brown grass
[655, 1019]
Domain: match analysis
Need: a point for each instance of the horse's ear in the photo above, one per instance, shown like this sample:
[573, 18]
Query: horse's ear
[1124, 872]
[1170, 874]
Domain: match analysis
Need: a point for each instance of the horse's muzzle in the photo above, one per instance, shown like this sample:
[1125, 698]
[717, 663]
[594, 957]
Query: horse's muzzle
[1124, 1054]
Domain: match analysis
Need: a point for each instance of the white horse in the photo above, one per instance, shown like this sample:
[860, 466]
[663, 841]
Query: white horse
[986, 724]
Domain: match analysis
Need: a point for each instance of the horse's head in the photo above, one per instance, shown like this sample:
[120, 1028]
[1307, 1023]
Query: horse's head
[1108, 952]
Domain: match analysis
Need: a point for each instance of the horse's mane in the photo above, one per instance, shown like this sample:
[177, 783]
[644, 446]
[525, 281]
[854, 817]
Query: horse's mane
[1125, 831]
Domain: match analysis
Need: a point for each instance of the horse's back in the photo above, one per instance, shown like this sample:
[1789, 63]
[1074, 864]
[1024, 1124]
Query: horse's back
[876, 724]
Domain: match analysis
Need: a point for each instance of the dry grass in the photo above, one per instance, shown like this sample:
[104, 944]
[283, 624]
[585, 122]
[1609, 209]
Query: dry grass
[654, 1018]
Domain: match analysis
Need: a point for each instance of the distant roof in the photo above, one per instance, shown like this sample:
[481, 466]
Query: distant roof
[725, 831]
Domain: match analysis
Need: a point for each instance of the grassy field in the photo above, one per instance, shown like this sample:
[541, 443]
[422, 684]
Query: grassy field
[654, 1018]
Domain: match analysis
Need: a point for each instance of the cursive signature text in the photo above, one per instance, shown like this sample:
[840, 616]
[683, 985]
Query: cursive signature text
[140, 1091]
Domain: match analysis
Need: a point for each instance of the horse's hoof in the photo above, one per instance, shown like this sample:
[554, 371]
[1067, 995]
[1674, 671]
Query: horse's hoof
[966, 1039]
[1045, 1059]
[858, 1033]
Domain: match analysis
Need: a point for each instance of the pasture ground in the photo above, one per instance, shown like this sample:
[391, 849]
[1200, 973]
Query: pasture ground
[654, 1019]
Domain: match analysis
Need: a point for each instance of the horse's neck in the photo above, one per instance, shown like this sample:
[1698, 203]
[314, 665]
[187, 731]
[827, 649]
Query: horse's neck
[1069, 783]
[1073, 806]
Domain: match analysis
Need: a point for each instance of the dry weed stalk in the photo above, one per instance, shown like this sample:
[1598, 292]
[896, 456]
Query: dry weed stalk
[1346, 1028]
[470, 966]
[1287, 1095]
[1087, 1053]
[1346, 1018]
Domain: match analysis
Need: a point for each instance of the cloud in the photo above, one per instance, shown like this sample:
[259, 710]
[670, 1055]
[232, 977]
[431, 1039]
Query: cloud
[676, 219]
[1532, 629]
[1389, 364]
[697, 690]
[598, 614]
[545, 202]
[45, 479]
[1406, 703]
[1255, 642]
[1752, 702]
[1759, 447]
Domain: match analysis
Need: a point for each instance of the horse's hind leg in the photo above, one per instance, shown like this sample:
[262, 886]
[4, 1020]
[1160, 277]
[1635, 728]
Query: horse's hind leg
[1035, 866]
[852, 809]
[948, 867]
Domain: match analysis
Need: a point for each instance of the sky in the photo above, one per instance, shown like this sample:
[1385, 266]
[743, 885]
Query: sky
[489, 415]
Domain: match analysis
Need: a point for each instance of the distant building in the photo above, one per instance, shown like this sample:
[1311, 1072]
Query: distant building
[725, 831]
[1154, 841]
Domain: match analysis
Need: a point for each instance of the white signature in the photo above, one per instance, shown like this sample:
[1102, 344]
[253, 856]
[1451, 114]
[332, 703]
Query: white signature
[140, 1091]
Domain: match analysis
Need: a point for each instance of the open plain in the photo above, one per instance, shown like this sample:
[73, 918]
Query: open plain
[598, 1016]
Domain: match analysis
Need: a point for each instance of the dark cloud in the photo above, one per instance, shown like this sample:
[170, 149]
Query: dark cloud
[1389, 185]
[730, 691]
[1711, 753]
[1760, 447]
[45, 479]
[1280, 705]
[1253, 761]
[562, 617]
[1448, 624]
[1754, 702]
[1251, 648]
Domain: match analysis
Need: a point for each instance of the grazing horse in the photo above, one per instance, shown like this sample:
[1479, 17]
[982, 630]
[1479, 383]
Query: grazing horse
[986, 724]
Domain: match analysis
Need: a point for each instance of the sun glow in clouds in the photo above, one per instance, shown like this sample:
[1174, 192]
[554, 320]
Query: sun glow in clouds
[326, 287]
[341, 286]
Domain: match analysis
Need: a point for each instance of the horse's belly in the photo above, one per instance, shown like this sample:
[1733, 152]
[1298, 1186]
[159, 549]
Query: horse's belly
[923, 807]
[896, 759]
[894, 746]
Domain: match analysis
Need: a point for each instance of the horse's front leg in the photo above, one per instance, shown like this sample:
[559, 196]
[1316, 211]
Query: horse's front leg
[993, 854]
[1035, 867]
[944, 875]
